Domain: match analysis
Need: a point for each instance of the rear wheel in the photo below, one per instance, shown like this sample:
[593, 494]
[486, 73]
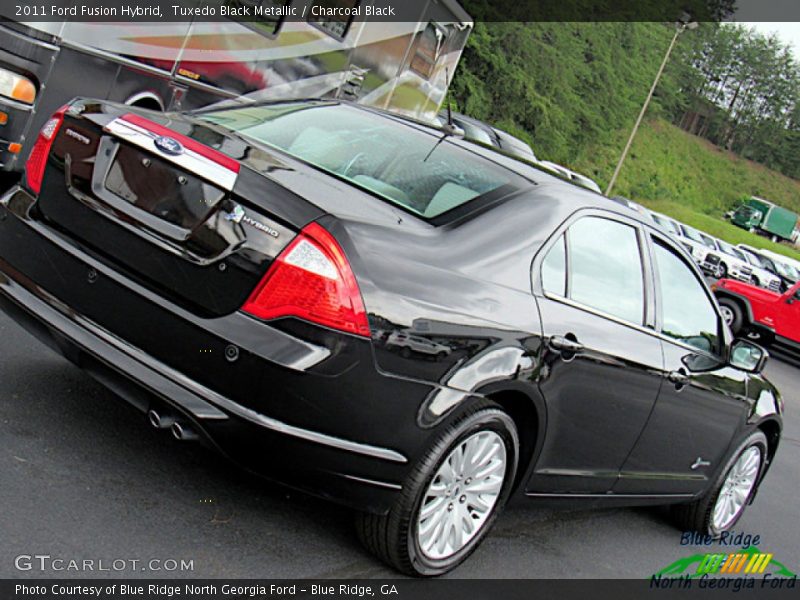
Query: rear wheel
[722, 506]
[451, 498]
[732, 314]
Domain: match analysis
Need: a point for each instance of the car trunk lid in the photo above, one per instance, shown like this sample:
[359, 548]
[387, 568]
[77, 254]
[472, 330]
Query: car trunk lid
[166, 200]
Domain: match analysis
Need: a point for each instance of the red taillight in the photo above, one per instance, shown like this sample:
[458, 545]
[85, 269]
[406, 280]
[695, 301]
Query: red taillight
[312, 280]
[34, 167]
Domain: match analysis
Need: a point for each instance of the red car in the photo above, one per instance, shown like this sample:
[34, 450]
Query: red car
[750, 309]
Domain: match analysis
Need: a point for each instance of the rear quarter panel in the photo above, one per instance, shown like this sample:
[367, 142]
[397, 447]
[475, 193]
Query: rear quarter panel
[466, 287]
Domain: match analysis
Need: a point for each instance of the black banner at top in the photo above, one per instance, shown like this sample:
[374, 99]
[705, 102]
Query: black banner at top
[141, 11]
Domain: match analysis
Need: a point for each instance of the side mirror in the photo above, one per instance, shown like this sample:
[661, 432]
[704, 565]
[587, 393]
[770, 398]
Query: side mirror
[747, 356]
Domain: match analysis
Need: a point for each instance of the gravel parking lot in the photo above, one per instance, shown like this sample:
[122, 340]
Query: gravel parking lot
[83, 477]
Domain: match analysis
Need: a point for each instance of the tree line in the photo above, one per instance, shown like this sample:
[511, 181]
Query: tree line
[740, 91]
[571, 88]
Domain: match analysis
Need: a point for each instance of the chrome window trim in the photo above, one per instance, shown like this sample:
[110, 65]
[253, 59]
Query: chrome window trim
[599, 313]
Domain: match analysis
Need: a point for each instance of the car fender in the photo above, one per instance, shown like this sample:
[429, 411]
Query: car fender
[494, 370]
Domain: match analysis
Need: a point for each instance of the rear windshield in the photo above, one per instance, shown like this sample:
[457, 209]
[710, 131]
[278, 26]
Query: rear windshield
[393, 160]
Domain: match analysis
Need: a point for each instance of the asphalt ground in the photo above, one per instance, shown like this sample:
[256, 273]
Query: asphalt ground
[82, 477]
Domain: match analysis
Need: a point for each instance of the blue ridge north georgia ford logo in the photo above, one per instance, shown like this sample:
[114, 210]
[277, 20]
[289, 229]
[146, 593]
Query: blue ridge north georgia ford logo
[168, 145]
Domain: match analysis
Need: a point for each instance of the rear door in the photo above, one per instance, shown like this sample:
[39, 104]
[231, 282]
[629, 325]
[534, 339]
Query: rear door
[602, 372]
[702, 402]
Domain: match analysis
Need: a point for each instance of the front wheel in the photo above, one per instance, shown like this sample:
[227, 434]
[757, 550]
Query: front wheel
[719, 509]
[451, 498]
[731, 314]
[722, 271]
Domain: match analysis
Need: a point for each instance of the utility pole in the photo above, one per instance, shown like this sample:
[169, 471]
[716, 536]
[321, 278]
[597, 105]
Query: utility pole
[680, 28]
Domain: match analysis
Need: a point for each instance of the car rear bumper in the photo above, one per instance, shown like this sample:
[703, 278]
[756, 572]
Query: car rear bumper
[284, 437]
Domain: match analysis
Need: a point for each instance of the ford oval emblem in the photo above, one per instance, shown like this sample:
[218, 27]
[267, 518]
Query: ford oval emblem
[168, 145]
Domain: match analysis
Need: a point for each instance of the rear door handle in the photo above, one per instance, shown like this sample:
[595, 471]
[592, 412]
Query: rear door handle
[565, 345]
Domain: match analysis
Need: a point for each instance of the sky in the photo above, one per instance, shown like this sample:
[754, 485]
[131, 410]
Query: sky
[788, 32]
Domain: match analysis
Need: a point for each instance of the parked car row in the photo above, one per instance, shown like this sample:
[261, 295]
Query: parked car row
[570, 175]
[722, 260]
[489, 135]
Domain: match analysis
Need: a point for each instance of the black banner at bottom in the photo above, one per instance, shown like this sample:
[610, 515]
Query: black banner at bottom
[400, 589]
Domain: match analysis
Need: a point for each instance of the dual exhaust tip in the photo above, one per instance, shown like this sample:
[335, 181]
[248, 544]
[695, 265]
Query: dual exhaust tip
[180, 430]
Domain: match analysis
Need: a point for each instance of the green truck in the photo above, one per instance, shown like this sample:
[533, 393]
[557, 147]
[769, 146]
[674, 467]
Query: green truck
[757, 214]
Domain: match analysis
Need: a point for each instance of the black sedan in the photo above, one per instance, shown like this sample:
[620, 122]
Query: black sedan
[379, 313]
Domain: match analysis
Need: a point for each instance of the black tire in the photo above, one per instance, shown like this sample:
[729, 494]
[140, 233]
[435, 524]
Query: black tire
[441, 356]
[755, 281]
[405, 352]
[697, 515]
[393, 537]
[722, 271]
[737, 321]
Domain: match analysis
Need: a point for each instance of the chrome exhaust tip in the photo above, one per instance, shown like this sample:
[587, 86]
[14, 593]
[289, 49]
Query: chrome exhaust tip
[160, 421]
[182, 432]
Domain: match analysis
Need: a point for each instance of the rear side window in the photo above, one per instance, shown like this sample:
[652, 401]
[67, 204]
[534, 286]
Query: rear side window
[605, 268]
[686, 310]
[423, 173]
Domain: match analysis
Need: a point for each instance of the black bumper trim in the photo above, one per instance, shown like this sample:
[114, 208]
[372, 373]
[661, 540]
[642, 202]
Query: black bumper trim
[194, 398]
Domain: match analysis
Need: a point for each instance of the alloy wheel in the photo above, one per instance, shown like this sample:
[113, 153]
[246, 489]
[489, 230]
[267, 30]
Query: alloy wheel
[737, 488]
[461, 495]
